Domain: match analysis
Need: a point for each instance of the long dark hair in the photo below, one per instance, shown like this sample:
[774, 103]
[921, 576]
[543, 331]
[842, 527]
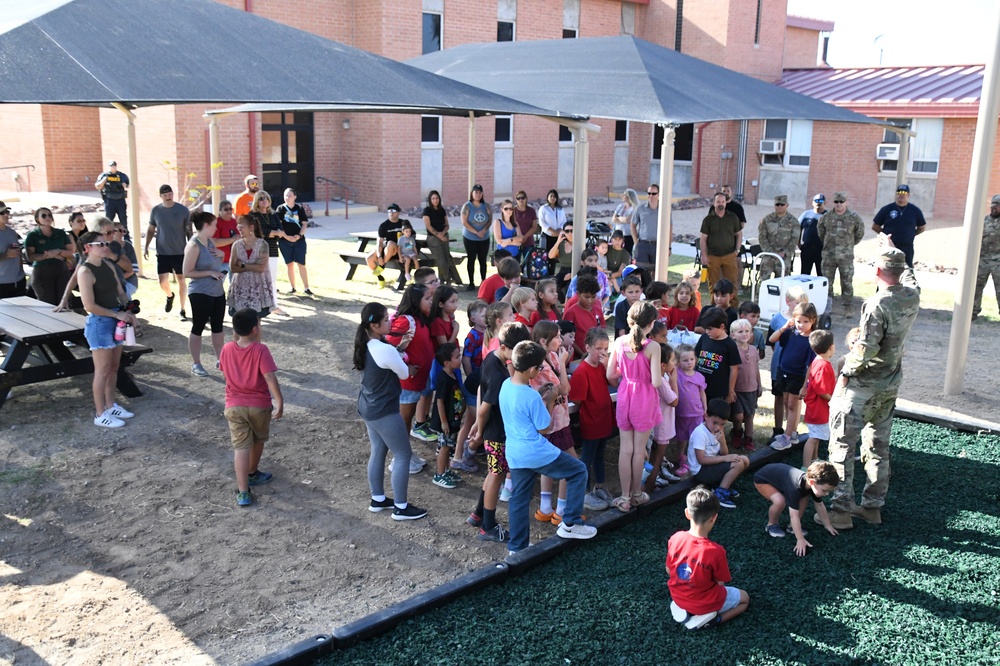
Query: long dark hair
[372, 313]
[430, 195]
[443, 293]
[410, 303]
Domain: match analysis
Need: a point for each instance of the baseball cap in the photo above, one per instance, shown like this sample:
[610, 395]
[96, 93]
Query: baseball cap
[994, 200]
[903, 188]
[477, 186]
[393, 207]
[112, 163]
[165, 188]
[819, 198]
[3, 208]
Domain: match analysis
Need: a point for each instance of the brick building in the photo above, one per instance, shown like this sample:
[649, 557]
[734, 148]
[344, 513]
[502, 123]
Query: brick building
[399, 158]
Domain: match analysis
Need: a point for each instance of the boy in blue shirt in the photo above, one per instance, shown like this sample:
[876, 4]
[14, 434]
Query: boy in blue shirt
[525, 413]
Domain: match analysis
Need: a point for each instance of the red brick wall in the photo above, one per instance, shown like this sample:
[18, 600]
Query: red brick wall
[762, 60]
[801, 48]
[26, 145]
[156, 142]
[72, 147]
[842, 158]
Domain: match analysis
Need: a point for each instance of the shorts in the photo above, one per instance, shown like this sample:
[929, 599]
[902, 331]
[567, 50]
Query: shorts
[561, 439]
[792, 383]
[248, 425]
[446, 441]
[292, 253]
[685, 425]
[638, 409]
[711, 475]
[100, 332]
[408, 397]
[732, 599]
[496, 460]
[169, 263]
[777, 384]
[819, 431]
[746, 403]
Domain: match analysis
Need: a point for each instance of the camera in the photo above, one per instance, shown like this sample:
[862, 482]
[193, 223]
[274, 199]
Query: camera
[131, 306]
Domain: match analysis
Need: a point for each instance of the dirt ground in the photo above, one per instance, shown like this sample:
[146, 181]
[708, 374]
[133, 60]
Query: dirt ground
[127, 547]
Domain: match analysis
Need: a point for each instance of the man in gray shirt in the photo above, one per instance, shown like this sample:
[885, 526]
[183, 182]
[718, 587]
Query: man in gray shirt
[12, 279]
[644, 228]
[170, 224]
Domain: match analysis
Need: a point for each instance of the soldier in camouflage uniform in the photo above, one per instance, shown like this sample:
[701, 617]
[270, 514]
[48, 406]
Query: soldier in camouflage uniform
[989, 256]
[863, 402]
[840, 230]
[778, 233]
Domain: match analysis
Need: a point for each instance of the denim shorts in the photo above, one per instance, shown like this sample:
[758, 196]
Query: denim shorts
[293, 253]
[408, 397]
[732, 599]
[100, 332]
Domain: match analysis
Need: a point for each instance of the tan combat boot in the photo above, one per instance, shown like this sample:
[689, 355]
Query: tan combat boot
[841, 520]
[871, 515]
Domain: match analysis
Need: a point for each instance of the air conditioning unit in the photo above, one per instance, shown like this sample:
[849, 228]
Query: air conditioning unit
[887, 151]
[772, 147]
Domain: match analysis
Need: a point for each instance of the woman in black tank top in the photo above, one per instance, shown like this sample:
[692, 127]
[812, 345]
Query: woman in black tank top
[103, 296]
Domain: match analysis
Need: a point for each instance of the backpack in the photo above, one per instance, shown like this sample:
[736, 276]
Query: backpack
[535, 264]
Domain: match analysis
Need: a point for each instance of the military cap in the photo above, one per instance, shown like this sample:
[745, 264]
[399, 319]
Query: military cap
[781, 199]
[995, 199]
[839, 195]
[891, 258]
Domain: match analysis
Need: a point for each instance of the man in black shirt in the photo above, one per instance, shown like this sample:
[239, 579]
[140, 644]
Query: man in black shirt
[732, 205]
[113, 186]
[388, 233]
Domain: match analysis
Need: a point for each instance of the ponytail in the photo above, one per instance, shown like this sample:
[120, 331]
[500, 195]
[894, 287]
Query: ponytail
[640, 315]
[372, 313]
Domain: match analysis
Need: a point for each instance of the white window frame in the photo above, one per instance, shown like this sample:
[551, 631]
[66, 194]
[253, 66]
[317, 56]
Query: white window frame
[924, 147]
[510, 141]
[628, 132]
[794, 129]
[568, 142]
[441, 46]
[432, 144]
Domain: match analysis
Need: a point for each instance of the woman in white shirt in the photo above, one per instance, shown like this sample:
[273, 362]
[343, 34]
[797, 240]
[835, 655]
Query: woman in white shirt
[552, 219]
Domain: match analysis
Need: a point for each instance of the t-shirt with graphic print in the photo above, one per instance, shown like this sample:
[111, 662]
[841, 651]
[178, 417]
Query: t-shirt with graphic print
[714, 358]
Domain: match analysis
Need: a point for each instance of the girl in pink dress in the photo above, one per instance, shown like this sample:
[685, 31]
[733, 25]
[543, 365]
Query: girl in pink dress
[637, 361]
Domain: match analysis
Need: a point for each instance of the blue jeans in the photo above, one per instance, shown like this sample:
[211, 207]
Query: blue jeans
[564, 467]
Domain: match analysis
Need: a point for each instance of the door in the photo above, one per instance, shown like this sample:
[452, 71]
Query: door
[288, 157]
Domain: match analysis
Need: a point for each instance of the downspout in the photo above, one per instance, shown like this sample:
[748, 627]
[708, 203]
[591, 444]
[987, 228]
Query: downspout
[697, 170]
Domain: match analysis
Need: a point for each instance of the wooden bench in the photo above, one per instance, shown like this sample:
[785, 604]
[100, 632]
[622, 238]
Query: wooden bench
[356, 259]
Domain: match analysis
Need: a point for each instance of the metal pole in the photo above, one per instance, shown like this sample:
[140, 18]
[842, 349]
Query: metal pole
[581, 163]
[214, 162]
[472, 152]
[972, 230]
[664, 232]
[904, 158]
[133, 188]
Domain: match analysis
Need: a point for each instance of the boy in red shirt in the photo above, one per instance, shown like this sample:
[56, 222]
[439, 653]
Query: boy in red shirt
[586, 313]
[588, 388]
[819, 390]
[249, 370]
[698, 569]
[507, 271]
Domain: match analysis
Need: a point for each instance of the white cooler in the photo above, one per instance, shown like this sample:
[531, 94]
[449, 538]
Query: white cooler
[772, 293]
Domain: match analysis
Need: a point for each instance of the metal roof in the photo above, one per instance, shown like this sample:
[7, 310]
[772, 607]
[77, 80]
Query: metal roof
[945, 91]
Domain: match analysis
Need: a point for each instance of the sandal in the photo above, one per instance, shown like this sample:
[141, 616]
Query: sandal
[639, 498]
[622, 504]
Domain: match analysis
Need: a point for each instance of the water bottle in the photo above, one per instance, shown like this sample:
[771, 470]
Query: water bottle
[120, 332]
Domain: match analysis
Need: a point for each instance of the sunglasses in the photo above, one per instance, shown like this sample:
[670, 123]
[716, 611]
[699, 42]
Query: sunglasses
[839, 201]
[780, 204]
[901, 192]
[653, 194]
[99, 244]
[45, 216]
[521, 198]
[508, 208]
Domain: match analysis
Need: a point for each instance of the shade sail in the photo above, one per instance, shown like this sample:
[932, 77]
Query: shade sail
[624, 78]
[148, 52]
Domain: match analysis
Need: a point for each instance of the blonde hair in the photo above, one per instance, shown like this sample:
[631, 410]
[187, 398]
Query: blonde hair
[494, 313]
[739, 325]
[520, 296]
[797, 294]
[640, 315]
[692, 273]
[260, 194]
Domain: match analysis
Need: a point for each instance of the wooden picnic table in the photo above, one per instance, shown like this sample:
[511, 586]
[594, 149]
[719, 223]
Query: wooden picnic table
[33, 339]
[358, 258]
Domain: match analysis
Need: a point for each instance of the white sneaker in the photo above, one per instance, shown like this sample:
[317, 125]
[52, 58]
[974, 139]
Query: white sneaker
[688, 620]
[578, 531]
[592, 502]
[120, 412]
[504, 494]
[661, 482]
[603, 494]
[198, 370]
[416, 464]
[666, 473]
[106, 420]
[781, 443]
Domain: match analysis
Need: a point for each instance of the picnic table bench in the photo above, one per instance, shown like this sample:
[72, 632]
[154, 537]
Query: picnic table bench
[32, 339]
[360, 257]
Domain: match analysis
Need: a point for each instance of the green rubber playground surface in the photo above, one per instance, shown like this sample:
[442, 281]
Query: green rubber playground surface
[923, 588]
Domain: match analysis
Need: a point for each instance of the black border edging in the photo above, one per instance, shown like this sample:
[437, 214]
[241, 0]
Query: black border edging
[303, 652]
[945, 422]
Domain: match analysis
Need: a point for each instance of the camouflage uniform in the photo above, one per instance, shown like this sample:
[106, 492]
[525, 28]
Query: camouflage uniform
[778, 234]
[989, 260]
[840, 233]
[863, 409]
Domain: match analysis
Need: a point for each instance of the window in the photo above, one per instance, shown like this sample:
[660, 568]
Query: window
[569, 34]
[571, 19]
[925, 152]
[888, 136]
[756, 27]
[505, 31]
[432, 32]
[797, 135]
[565, 136]
[503, 133]
[430, 130]
[683, 142]
[621, 131]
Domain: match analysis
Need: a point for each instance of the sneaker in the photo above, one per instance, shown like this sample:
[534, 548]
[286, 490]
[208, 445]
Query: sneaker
[857, 457]
[384, 505]
[411, 512]
[591, 502]
[666, 473]
[455, 476]
[444, 481]
[199, 370]
[416, 464]
[170, 303]
[794, 439]
[661, 482]
[504, 494]
[781, 443]
[543, 517]
[578, 531]
[308, 292]
[108, 420]
[498, 534]
[682, 471]
[243, 498]
[120, 412]
[733, 493]
[259, 478]
[464, 465]
[474, 519]
[748, 443]
[602, 493]
[775, 531]
[688, 620]
[184, 316]
[725, 500]
[292, 291]
[422, 431]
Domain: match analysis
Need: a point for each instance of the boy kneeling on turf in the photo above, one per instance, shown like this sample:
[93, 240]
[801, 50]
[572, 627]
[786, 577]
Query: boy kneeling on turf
[698, 569]
[526, 412]
[789, 486]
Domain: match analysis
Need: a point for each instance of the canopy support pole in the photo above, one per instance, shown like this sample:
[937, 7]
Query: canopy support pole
[133, 188]
[472, 152]
[581, 166]
[972, 230]
[664, 232]
[904, 158]
[214, 162]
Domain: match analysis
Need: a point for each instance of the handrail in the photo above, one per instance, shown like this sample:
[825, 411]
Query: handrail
[30, 167]
[344, 189]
